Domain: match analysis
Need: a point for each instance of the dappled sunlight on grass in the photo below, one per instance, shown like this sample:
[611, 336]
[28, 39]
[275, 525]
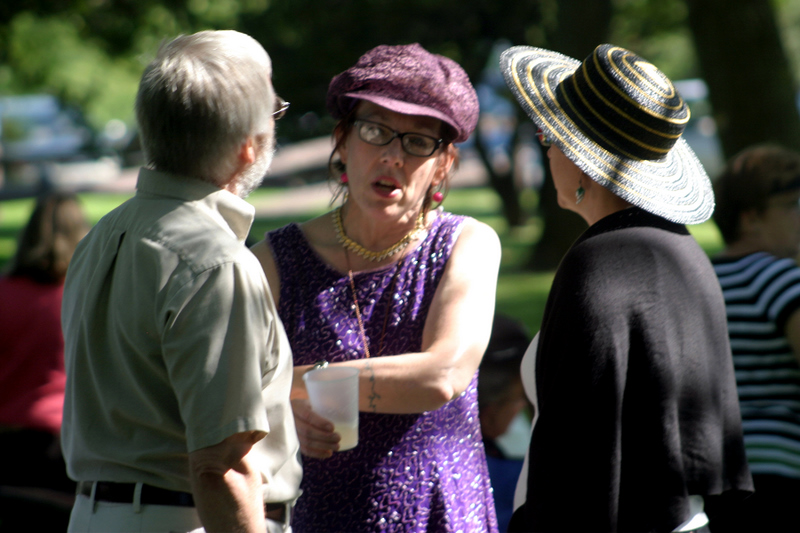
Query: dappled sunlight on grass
[13, 216]
[523, 295]
[98, 205]
[475, 202]
[708, 236]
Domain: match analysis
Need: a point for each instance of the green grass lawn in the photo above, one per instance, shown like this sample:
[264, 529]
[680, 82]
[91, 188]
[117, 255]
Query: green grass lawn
[520, 294]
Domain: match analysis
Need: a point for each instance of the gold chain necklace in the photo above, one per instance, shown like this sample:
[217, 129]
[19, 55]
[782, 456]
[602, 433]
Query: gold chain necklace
[353, 246]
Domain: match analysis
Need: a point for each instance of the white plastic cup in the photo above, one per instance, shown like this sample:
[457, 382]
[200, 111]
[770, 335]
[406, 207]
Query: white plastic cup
[333, 393]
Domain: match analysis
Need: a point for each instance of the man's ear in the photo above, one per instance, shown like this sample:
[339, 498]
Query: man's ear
[247, 152]
[245, 157]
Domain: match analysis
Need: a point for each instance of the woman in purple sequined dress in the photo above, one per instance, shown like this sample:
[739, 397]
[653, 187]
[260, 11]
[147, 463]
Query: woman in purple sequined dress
[401, 290]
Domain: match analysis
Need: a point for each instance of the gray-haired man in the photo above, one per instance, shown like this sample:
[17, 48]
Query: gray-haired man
[177, 413]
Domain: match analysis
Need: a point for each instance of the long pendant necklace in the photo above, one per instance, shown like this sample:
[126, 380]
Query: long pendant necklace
[353, 246]
[358, 308]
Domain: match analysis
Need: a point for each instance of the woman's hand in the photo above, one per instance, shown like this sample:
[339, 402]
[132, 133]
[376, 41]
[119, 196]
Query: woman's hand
[315, 433]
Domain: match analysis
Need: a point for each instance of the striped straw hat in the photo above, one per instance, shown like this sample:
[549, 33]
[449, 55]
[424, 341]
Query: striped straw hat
[619, 119]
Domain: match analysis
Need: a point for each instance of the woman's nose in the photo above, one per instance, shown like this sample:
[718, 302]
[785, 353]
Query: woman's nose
[393, 152]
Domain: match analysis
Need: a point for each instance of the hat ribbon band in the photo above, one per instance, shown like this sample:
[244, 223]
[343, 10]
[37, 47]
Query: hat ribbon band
[649, 152]
[654, 142]
[668, 122]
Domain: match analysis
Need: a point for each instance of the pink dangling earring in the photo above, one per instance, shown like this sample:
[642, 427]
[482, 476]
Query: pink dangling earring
[438, 197]
[344, 179]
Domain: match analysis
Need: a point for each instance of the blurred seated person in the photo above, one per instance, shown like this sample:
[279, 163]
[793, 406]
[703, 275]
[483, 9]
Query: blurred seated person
[501, 399]
[32, 374]
[758, 215]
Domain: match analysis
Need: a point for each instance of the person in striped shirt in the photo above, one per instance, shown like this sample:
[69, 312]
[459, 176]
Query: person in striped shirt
[758, 215]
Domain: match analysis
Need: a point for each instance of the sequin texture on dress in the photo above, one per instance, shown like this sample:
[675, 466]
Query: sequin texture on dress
[409, 473]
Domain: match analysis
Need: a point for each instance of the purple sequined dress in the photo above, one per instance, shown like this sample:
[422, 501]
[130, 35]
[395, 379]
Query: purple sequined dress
[420, 472]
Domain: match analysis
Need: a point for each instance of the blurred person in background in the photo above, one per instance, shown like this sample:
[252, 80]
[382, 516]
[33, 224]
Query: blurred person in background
[758, 214]
[32, 376]
[637, 419]
[400, 289]
[501, 398]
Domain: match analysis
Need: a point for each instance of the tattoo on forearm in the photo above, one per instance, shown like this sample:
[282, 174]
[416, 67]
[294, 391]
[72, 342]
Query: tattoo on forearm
[373, 395]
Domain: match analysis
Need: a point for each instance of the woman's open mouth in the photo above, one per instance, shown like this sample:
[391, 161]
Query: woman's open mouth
[385, 187]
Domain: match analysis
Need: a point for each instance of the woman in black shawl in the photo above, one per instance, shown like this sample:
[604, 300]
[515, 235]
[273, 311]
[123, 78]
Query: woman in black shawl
[637, 416]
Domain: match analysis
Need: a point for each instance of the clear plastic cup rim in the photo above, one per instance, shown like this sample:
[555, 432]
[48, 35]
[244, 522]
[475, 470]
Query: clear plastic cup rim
[330, 374]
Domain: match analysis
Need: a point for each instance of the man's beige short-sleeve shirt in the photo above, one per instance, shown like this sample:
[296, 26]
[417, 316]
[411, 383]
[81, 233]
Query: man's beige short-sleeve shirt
[173, 342]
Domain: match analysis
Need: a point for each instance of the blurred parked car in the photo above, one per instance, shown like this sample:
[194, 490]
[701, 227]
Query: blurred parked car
[45, 144]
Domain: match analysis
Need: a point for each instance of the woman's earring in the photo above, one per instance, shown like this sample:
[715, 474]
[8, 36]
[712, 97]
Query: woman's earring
[438, 197]
[341, 190]
[579, 192]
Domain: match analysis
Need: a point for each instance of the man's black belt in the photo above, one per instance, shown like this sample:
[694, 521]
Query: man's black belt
[108, 491]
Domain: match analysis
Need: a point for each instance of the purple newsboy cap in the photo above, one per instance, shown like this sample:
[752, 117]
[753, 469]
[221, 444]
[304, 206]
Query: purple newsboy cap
[410, 80]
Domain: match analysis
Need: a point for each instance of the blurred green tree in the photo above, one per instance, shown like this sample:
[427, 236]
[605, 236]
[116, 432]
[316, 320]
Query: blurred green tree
[91, 54]
[751, 85]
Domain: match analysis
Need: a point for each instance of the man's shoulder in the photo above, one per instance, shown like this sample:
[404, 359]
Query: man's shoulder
[170, 226]
[197, 235]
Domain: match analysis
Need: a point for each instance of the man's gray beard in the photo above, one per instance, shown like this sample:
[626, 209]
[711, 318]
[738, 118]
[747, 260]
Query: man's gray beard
[255, 174]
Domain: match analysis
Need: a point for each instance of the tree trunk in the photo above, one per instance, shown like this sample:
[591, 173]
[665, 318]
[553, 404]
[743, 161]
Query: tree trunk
[750, 84]
[581, 26]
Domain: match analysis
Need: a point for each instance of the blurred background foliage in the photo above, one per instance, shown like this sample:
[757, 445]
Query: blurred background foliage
[91, 52]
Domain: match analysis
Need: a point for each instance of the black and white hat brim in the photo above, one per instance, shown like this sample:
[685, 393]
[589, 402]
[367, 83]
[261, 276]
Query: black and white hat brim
[674, 186]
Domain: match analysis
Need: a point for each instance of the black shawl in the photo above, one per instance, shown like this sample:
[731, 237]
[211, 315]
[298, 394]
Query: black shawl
[636, 394]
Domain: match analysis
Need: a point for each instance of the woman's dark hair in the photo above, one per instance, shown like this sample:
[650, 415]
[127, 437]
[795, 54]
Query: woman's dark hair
[747, 182]
[47, 242]
[336, 168]
[340, 133]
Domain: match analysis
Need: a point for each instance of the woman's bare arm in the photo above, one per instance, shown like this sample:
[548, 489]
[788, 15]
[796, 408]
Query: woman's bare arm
[455, 336]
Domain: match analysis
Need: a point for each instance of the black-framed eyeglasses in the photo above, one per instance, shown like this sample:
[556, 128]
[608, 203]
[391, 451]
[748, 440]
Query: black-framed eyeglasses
[416, 144]
[281, 106]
